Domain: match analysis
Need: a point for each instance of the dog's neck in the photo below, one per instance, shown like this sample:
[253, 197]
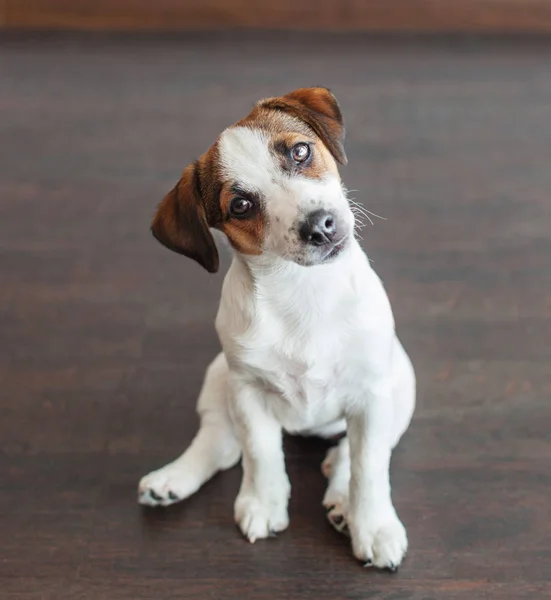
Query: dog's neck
[307, 291]
[269, 267]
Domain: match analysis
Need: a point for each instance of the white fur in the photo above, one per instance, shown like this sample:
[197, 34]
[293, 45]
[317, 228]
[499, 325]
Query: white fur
[245, 157]
[306, 350]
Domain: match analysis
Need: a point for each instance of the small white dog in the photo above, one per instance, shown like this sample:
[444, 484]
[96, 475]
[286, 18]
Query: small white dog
[307, 332]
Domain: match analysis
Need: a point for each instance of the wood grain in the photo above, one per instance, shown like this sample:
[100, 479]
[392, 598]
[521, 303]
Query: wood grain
[360, 15]
[105, 335]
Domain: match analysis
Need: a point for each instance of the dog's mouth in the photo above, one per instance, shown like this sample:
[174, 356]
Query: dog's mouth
[336, 250]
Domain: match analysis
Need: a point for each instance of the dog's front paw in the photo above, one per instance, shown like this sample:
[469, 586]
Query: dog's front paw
[380, 542]
[166, 486]
[261, 518]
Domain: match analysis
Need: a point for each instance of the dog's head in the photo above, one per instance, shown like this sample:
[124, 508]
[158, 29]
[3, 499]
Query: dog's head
[270, 183]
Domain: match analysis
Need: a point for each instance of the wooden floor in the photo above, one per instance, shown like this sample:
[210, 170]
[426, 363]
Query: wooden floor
[105, 335]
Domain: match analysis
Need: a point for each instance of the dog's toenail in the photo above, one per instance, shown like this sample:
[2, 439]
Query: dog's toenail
[337, 519]
[368, 563]
[155, 496]
[392, 567]
[173, 496]
[328, 509]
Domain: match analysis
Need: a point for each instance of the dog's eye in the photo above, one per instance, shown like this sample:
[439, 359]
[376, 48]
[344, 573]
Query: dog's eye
[300, 152]
[240, 206]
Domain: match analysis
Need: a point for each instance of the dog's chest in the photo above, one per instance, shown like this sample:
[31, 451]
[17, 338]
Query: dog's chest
[301, 373]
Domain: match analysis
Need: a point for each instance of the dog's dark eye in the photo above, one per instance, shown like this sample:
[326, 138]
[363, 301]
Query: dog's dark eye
[300, 152]
[240, 207]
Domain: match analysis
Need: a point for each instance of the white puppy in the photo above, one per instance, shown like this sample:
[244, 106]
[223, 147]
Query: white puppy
[307, 332]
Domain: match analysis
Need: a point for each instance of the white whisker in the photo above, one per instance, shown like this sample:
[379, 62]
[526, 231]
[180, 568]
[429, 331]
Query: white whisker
[364, 211]
[358, 209]
[375, 215]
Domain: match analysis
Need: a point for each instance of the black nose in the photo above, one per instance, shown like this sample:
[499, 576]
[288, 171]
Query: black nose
[318, 228]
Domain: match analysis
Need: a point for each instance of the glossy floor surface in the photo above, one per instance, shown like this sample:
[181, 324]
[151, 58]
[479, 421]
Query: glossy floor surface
[105, 335]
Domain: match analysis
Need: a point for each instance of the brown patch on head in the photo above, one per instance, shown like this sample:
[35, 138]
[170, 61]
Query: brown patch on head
[318, 164]
[246, 234]
[305, 115]
[326, 159]
[319, 110]
[285, 130]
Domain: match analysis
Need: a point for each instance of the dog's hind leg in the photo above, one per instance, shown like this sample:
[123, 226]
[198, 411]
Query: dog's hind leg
[336, 467]
[214, 448]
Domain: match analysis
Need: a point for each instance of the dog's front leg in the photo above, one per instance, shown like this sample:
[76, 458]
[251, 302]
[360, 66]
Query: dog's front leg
[378, 536]
[261, 505]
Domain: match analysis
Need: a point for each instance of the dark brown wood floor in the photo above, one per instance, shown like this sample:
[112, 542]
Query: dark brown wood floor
[104, 335]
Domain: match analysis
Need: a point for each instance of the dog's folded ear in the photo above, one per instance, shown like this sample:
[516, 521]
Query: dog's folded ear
[181, 225]
[319, 109]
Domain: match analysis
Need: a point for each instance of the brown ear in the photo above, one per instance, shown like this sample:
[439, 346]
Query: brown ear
[180, 222]
[319, 109]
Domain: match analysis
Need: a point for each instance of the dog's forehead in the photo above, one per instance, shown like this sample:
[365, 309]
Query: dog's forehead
[246, 149]
[245, 157]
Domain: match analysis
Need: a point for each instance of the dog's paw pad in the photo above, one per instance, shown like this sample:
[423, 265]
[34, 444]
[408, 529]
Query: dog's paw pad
[335, 516]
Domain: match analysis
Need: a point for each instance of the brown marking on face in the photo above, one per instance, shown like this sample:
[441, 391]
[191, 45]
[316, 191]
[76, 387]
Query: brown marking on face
[317, 166]
[245, 234]
[318, 110]
[285, 130]
[326, 160]
[273, 121]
